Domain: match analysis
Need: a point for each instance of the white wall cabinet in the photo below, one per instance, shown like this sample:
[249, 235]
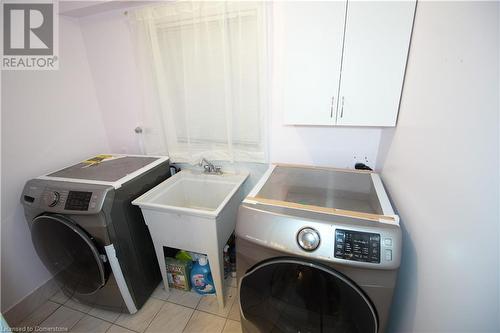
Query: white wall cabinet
[345, 61]
[313, 54]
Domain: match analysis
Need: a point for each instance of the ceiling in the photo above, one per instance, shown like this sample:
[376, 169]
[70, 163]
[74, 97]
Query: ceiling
[87, 8]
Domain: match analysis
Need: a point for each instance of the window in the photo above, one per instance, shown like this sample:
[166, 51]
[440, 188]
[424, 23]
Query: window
[209, 67]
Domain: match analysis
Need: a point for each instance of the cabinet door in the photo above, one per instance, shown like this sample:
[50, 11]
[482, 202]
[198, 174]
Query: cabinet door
[312, 37]
[377, 37]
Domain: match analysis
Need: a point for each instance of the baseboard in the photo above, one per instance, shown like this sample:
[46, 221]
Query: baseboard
[30, 303]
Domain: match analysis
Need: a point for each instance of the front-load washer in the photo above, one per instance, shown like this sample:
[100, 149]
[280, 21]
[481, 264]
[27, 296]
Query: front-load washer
[89, 236]
[318, 250]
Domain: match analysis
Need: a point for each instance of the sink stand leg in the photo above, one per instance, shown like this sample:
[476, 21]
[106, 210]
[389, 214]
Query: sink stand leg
[217, 267]
[161, 261]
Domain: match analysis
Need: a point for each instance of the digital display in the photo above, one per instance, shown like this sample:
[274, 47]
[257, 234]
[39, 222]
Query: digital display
[357, 246]
[78, 200]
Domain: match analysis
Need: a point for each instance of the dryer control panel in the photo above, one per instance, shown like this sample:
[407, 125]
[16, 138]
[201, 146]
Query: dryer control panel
[78, 200]
[64, 197]
[357, 246]
[63, 200]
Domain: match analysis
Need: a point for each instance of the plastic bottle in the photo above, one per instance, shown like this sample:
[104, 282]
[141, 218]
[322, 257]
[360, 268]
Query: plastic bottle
[232, 259]
[184, 256]
[201, 278]
[195, 256]
[227, 263]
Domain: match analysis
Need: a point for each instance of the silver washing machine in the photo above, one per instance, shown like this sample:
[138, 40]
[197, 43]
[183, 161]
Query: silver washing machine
[89, 236]
[318, 250]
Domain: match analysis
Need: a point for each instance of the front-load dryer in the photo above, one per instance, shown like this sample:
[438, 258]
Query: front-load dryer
[89, 236]
[318, 250]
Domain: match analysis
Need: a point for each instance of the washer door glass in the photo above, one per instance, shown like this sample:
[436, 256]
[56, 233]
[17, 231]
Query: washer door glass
[288, 295]
[68, 253]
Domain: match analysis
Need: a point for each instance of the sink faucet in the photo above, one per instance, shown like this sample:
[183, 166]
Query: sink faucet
[209, 167]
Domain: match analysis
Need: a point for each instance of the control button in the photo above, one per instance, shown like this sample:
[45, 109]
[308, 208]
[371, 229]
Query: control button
[388, 255]
[308, 239]
[52, 198]
[388, 241]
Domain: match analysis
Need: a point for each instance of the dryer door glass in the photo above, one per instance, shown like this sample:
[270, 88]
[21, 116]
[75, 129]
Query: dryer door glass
[288, 295]
[68, 253]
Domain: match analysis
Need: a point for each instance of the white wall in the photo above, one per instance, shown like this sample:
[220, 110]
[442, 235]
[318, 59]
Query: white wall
[442, 171]
[111, 55]
[49, 120]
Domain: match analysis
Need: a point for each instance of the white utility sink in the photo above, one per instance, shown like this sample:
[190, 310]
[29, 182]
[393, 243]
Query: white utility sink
[194, 193]
[194, 211]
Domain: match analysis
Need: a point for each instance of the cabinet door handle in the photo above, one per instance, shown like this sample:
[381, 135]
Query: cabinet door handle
[331, 107]
[342, 109]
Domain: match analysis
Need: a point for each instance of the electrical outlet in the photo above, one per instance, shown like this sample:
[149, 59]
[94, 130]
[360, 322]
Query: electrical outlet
[360, 159]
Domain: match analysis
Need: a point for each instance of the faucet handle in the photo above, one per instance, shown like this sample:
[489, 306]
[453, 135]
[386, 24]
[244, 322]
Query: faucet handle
[218, 170]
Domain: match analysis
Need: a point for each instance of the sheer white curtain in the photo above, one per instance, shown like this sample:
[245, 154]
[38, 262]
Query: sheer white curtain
[208, 64]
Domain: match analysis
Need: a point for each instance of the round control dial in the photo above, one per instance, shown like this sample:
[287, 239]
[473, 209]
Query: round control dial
[52, 198]
[308, 239]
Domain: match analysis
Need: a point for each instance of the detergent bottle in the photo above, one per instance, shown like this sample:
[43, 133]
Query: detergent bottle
[201, 278]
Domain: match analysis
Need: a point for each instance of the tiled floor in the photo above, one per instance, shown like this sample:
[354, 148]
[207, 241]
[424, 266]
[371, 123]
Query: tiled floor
[168, 312]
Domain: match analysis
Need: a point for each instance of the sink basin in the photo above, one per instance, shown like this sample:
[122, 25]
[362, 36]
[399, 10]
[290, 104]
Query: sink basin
[192, 192]
[196, 212]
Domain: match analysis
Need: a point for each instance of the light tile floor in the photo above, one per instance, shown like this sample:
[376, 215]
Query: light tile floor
[165, 312]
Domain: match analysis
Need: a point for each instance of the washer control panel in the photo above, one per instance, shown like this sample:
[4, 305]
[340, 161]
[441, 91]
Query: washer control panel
[62, 200]
[357, 246]
[78, 200]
